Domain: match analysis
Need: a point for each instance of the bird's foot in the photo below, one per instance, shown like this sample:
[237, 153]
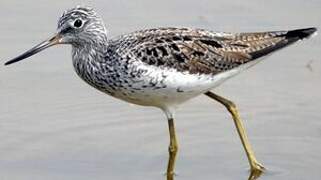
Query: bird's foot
[256, 171]
[170, 175]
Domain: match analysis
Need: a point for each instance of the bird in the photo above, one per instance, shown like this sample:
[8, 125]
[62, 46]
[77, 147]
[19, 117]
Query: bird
[164, 67]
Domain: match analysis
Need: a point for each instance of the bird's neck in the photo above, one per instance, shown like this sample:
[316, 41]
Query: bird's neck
[86, 59]
[91, 50]
[91, 65]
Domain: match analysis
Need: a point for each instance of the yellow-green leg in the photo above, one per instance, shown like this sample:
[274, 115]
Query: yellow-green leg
[173, 147]
[256, 168]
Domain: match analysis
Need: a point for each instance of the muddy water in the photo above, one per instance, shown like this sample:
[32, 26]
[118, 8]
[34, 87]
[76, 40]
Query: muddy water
[54, 126]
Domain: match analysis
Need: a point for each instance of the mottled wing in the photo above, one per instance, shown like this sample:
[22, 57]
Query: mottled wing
[205, 52]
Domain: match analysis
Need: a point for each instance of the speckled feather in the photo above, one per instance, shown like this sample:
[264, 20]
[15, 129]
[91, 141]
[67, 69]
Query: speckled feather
[163, 67]
[197, 51]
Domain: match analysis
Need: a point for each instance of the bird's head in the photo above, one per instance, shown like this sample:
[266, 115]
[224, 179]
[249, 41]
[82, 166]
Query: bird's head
[81, 25]
[78, 26]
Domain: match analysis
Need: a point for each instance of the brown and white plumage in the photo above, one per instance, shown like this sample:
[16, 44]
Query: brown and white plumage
[172, 65]
[163, 67]
[205, 52]
[160, 67]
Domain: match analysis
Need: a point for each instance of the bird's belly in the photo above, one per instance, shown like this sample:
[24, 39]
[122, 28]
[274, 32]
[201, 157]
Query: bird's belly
[164, 87]
[168, 87]
[158, 98]
[158, 87]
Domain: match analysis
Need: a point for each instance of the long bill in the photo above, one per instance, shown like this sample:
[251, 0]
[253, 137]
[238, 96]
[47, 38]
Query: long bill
[44, 45]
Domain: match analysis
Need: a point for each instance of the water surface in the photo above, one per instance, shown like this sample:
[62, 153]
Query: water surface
[54, 126]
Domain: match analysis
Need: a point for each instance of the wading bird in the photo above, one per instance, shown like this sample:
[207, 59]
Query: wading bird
[164, 67]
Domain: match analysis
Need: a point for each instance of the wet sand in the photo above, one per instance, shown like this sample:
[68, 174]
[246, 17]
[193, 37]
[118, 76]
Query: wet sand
[54, 126]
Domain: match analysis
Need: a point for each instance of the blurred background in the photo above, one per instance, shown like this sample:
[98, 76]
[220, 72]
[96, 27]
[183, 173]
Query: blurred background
[54, 126]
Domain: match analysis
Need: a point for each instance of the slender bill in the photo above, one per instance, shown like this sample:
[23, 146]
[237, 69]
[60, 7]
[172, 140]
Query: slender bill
[44, 45]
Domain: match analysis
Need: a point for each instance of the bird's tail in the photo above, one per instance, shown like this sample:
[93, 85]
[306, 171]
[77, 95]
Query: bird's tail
[281, 39]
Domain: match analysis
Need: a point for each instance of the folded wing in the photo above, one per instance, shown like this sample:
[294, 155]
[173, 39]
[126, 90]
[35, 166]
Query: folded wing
[206, 52]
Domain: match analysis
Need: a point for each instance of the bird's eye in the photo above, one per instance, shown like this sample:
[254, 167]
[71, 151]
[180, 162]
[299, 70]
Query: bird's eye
[78, 23]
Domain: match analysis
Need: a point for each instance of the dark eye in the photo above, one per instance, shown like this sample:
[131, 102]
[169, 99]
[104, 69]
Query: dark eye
[78, 23]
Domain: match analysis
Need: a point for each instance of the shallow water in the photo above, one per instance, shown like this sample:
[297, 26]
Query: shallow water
[54, 126]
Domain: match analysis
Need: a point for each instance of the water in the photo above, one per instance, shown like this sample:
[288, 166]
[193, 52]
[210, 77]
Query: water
[54, 126]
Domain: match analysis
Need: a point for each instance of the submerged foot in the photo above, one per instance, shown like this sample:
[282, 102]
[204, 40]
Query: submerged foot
[256, 171]
[170, 175]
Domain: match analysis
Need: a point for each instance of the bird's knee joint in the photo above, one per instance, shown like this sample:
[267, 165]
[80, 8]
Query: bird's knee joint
[173, 149]
[231, 106]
